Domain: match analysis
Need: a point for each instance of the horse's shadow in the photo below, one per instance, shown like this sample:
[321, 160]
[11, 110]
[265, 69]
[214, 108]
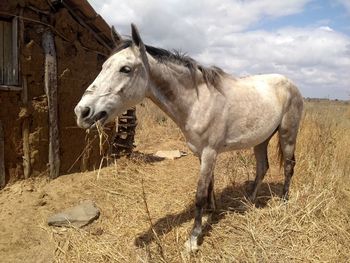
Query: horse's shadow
[233, 198]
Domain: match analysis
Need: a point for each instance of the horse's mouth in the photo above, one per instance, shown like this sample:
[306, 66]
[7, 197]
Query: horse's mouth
[99, 119]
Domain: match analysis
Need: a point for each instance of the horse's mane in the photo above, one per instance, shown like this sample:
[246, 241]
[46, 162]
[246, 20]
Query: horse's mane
[212, 75]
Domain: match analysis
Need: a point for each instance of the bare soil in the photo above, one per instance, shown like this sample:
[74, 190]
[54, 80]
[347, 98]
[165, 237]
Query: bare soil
[117, 190]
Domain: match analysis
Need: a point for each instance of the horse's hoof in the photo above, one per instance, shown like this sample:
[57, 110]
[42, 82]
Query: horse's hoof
[191, 245]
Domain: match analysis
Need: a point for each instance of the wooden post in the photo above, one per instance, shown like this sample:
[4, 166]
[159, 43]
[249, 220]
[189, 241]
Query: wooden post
[48, 44]
[2, 58]
[24, 95]
[2, 158]
[25, 131]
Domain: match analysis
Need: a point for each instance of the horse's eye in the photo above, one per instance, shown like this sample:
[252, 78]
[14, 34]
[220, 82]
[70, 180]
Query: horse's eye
[125, 69]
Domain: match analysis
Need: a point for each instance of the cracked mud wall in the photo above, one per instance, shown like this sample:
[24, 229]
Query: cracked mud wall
[79, 60]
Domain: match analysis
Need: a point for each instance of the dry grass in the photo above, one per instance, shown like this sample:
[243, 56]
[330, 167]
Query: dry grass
[147, 205]
[313, 227]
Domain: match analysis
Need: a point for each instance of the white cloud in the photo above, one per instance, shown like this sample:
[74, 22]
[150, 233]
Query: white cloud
[180, 24]
[317, 59]
[218, 32]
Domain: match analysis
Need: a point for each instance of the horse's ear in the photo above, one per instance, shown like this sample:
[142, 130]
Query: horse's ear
[115, 36]
[136, 39]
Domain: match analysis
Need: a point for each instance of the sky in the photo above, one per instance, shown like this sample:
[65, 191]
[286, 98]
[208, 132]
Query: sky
[306, 40]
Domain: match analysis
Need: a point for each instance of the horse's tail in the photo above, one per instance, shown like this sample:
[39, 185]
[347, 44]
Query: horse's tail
[279, 150]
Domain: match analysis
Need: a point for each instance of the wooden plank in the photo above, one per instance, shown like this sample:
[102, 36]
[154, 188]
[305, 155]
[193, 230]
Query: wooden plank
[8, 63]
[2, 157]
[14, 52]
[51, 93]
[10, 88]
[1, 52]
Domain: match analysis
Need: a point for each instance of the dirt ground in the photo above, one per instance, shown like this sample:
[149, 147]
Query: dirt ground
[169, 188]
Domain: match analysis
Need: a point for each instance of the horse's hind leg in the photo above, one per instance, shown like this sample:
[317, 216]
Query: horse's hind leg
[288, 171]
[262, 165]
[288, 132]
[287, 141]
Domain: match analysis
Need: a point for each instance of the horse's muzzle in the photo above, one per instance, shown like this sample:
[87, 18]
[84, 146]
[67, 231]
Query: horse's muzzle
[87, 118]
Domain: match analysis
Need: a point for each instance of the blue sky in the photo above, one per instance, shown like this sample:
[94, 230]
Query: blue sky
[330, 13]
[306, 40]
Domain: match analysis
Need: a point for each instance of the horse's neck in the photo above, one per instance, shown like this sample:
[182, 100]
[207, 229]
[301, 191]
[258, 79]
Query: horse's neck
[172, 90]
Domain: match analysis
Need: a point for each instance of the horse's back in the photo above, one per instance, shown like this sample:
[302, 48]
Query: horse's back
[273, 87]
[256, 108]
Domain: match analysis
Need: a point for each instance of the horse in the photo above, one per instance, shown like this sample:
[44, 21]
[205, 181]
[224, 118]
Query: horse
[215, 111]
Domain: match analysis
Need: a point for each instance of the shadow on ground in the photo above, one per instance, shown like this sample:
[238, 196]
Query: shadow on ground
[233, 198]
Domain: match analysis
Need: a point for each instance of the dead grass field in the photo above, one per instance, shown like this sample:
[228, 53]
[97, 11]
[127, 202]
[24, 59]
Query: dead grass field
[314, 226]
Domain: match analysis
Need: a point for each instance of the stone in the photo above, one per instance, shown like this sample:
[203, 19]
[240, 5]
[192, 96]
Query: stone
[170, 154]
[77, 216]
[41, 202]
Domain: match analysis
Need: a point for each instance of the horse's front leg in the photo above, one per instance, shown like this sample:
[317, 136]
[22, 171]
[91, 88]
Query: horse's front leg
[208, 159]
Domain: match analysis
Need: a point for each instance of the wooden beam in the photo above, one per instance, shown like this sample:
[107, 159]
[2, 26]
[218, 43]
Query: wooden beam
[15, 68]
[24, 96]
[1, 52]
[2, 157]
[10, 88]
[48, 44]
[25, 132]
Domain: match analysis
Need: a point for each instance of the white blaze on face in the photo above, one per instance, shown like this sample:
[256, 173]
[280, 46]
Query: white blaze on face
[120, 85]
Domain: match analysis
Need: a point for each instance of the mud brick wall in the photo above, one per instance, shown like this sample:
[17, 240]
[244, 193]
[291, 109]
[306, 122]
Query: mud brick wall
[79, 60]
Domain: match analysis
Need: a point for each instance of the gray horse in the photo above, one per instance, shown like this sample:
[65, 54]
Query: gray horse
[215, 111]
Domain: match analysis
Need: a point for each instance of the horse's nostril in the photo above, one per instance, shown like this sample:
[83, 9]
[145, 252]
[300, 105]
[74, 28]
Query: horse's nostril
[85, 112]
[100, 115]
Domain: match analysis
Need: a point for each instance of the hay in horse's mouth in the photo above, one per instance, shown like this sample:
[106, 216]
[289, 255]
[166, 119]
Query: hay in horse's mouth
[100, 117]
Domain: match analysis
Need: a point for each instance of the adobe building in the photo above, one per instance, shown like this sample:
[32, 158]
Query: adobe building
[50, 51]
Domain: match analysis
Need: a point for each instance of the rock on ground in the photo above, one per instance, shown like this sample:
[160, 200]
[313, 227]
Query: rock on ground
[77, 216]
[170, 154]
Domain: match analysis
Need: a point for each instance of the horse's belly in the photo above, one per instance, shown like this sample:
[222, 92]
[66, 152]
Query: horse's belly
[248, 133]
[248, 140]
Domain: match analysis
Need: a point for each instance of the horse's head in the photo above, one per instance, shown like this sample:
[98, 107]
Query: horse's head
[122, 83]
